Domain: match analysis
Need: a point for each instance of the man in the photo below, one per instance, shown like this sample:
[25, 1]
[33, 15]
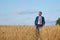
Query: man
[39, 22]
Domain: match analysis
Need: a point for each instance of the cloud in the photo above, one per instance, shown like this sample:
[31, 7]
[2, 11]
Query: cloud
[26, 12]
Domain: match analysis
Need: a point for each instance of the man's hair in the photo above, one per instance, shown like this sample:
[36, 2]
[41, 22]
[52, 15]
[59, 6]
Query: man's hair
[40, 12]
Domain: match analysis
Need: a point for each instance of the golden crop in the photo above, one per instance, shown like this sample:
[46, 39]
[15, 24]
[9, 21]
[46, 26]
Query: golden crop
[26, 32]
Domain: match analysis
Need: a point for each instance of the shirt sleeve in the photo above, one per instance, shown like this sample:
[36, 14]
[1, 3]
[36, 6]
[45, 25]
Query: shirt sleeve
[43, 21]
[36, 20]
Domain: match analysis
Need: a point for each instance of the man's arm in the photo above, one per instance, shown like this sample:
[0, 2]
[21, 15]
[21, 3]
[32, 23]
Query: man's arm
[36, 20]
[43, 21]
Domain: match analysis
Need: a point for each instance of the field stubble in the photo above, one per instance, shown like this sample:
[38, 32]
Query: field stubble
[26, 32]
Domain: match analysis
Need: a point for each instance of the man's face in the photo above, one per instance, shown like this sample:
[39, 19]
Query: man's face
[40, 14]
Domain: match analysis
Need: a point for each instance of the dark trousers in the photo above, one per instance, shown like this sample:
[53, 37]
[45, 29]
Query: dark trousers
[38, 26]
[37, 31]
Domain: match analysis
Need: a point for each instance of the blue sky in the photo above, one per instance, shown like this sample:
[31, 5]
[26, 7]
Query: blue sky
[25, 11]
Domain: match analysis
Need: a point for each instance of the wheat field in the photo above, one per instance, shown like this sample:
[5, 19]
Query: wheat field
[26, 32]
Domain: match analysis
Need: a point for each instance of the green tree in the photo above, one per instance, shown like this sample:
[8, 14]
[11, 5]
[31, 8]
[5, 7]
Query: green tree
[58, 21]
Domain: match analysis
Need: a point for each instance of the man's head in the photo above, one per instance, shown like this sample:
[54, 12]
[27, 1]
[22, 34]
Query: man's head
[40, 13]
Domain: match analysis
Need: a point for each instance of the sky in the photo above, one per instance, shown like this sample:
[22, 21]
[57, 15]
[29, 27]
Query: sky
[25, 11]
